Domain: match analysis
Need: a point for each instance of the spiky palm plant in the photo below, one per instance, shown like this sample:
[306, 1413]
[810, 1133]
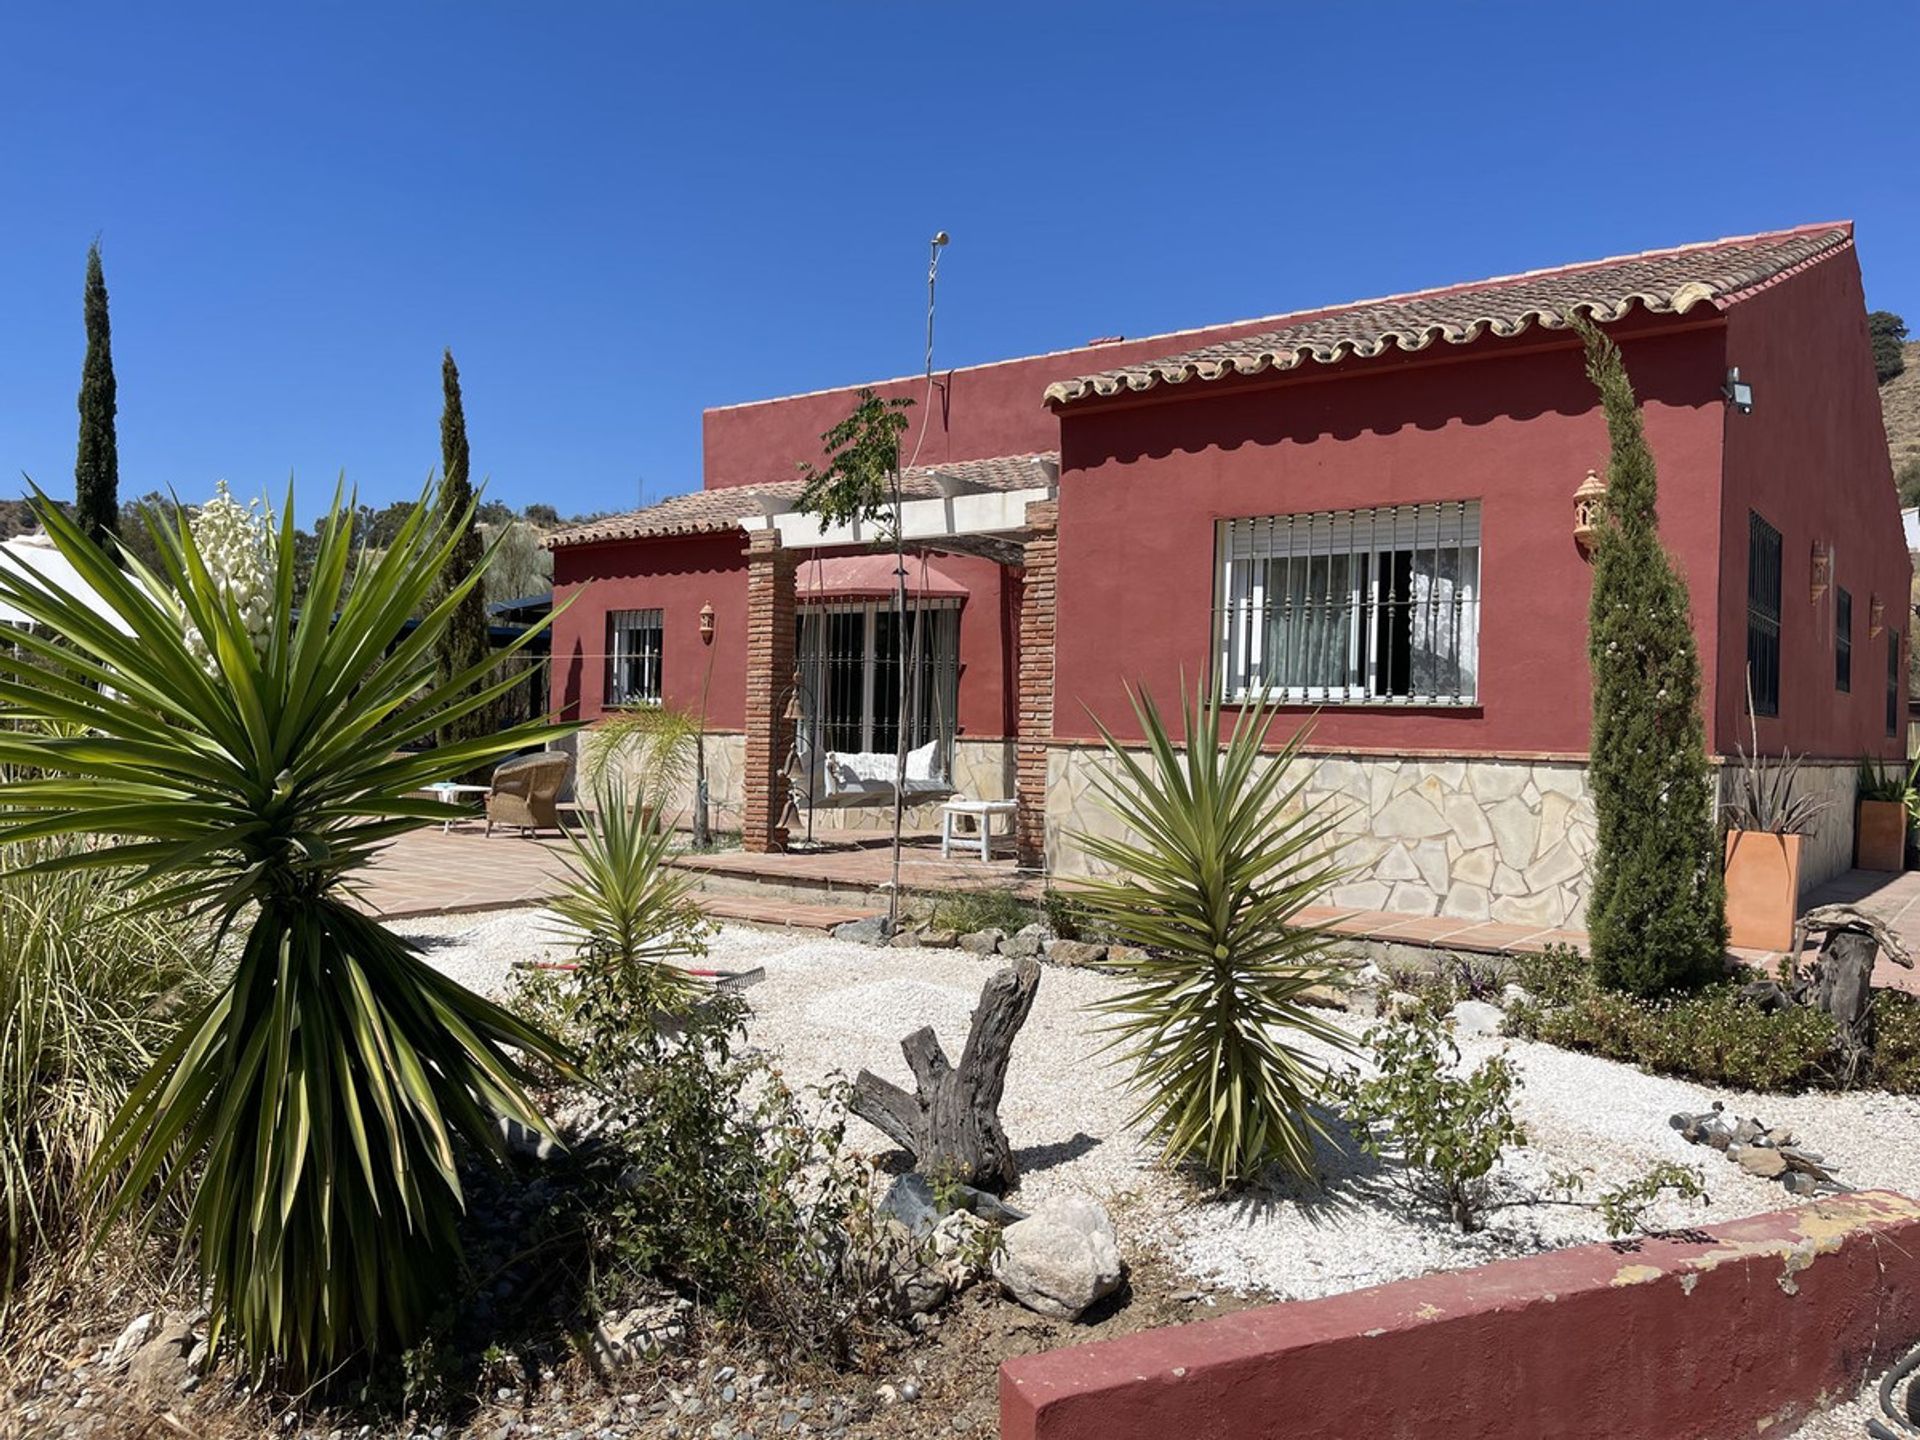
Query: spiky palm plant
[244, 762]
[1221, 855]
[630, 917]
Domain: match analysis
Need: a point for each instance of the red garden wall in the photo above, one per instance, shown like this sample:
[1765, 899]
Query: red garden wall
[1513, 423]
[1735, 1330]
[1812, 460]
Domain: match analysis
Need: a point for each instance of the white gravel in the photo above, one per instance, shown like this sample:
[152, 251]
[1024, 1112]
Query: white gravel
[828, 1006]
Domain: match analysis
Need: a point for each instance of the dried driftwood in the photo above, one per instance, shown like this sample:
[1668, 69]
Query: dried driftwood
[1840, 980]
[951, 1124]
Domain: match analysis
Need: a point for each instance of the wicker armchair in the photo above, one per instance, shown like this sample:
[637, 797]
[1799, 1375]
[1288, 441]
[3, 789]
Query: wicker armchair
[526, 791]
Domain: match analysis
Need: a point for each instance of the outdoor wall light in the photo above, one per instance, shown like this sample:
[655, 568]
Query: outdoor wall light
[1738, 392]
[1822, 570]
[1877, 619]
[1587, 501]
[706, 623]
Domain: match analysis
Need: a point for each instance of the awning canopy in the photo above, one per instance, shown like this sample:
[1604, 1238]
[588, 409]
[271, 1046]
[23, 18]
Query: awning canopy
[35, 556]
[871, 577]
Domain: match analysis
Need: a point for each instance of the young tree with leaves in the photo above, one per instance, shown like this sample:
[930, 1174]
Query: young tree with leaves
[96, 466]
[1888, 333]
[464, 643]
[1657, 914]
[861, 482]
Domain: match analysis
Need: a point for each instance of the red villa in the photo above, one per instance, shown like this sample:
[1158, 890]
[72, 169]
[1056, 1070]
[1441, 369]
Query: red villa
[1372, 509]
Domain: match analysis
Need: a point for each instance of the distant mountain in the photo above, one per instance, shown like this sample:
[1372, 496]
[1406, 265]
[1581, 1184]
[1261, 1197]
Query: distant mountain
[1900, 408]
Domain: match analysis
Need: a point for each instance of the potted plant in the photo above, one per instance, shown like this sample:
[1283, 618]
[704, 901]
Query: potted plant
[1766, 826]
[1880, 818]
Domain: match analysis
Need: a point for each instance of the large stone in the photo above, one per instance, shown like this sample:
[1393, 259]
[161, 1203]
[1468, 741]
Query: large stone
[870, 931]
[1061, 1259]
[1431, 857]
[1514, 830]
[1412, 898]
[1469, 821]
[1341, 777]
[1360, 895]
[1396, 864]
[1475, 867]
[1556, 818]
[982, 942]
[1380, 778]
[1410, 816]
[159, 1367]
[1476, 1017]
[1508, 881]
[1495, 780]
[1568, 780]
[1075, 952]
[1466, 902]
[1557, 866]
[1026, 942]
[1450, 773]
[1546, 910]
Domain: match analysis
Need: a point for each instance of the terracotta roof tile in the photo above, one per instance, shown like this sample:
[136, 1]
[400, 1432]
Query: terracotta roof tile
[716, 511]
[1714, 273]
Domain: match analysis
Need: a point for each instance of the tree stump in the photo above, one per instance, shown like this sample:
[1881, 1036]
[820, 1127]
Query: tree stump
[951, 1124]
[1841, 978]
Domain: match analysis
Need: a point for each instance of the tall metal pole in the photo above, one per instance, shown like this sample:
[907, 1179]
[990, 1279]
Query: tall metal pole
[900, 602]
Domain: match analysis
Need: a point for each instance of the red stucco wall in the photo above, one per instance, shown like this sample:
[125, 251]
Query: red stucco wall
[1739, 1330]
[678, 575]
[1812, 459]
[1514, 424]
[977, 412]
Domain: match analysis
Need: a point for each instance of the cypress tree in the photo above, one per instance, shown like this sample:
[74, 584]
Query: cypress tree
[96, 466]
[465, 641]
[1657, 914]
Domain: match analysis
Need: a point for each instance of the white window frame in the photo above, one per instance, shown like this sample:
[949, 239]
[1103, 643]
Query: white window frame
[623, 626]
[1245, 548]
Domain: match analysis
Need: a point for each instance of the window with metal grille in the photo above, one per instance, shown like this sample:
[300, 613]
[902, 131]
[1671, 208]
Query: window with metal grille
[1893, 682]
[633, 656]
[1842, 639]
[849, 658]
[1763, 615]
[1357, 607]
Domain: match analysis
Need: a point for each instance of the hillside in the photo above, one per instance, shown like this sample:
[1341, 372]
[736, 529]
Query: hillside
[1900, 407]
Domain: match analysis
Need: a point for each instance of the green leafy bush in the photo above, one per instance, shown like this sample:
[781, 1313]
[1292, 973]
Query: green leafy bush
[963, 911]
[1447, 1128]
[1229, 852]
[1896, 1042]
[1715, 1035]
[247, 758]
[92, 988]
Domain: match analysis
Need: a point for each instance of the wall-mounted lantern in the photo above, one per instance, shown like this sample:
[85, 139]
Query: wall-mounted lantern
[1587, 501]
[1822, 570]
[706, 624]
[1877, 619]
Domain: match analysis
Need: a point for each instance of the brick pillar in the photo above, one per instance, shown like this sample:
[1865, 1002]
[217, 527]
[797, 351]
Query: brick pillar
[1037, 596]
[770, 662]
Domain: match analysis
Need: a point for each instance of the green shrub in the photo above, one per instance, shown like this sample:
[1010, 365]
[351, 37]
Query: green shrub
[1715, 1035]
[964, 911]
[91, 990]
[1214, 1005]
[249, 757]
[1448, 1129]
[1896, 1042]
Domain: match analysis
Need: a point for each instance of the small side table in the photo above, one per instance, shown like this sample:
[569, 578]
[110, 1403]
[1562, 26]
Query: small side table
[450, 792]
[982, 813]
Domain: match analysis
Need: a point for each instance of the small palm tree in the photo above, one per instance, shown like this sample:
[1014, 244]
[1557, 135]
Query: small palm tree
[629, 916]
[245, 761]
[1223, 857]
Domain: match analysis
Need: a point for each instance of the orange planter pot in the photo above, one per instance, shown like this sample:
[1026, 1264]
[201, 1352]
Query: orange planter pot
[1763, 889]
[1880, 835]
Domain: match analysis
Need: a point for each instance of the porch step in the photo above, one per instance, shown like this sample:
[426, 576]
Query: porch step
[778, 913]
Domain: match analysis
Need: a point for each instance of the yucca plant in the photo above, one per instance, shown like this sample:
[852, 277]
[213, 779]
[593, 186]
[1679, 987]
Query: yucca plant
[630, 918]
[244, 761]
[1221, 855]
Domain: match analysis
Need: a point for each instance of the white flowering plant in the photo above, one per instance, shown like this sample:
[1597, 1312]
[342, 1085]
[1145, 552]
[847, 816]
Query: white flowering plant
[235, 542]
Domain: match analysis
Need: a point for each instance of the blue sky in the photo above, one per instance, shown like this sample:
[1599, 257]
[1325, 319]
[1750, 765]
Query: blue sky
[619, 214]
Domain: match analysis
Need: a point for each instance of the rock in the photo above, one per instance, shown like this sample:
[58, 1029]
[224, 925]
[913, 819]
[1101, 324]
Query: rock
[907, 939]
[131, 1339]
[1476, 1017]
[919, 1291]
[938, 939]
[909, 1390]
[987, 1205]
[1761, 1161]
[1061, 1259]
[1076, 953]
[1401, 1004]
[982, 942]
[1125, 955]
[870, 931]
[961, 1245]
[159, 1367]
[1512, 994]
[910, 1201]
[1025, 942]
